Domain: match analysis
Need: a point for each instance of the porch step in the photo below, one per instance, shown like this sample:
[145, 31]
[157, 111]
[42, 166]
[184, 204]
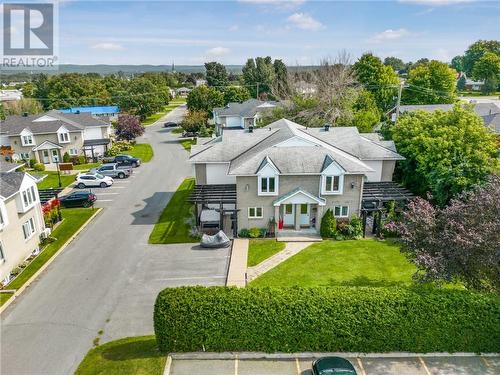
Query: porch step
[298, 236]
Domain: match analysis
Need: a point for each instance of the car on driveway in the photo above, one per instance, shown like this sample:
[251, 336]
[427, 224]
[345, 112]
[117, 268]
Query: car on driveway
[332, 366]
[113, 170]
[170, 124]
[124, 160]
[84, 180]
[78, 199]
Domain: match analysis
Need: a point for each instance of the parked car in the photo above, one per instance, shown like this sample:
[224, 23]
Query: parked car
[114, 170]
[170, 124]
[78, 199]
[123, 160]
[333, 366]
[84, 180]
[190, 134]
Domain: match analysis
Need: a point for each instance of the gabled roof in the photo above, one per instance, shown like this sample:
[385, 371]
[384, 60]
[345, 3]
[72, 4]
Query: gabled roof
[47, 145]
[10, 183]
[245, 151]
[9, 167]
[299, 191]
[248, 108]
[481, 109]
[49, 122]
[493, 122]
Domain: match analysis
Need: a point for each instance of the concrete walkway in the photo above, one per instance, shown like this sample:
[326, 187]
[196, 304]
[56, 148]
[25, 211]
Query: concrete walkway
[236, 275]
[290, 250]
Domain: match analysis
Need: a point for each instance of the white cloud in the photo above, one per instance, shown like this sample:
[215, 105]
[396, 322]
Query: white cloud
[108, 46]
[218, 51]
[435, 2]
[305, 22]
[234, 28]
[389, 35]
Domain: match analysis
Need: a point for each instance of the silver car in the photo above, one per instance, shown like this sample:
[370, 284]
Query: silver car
[112, 170]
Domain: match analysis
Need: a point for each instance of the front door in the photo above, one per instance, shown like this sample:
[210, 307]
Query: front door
[55, 156]
[46, 159]
[305, 215]
[289, 215]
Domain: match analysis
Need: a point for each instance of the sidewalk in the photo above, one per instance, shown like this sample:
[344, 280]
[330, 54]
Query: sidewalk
[236, 275]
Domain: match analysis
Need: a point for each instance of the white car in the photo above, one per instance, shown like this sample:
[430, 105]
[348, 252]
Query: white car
[84, 180]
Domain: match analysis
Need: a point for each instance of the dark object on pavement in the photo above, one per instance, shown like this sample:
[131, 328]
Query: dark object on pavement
[170, 124]
[78, 199]
[332, 366]
[189, 134]
[216, 241]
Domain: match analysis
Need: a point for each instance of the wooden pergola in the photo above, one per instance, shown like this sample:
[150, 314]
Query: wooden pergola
[223, 194]
[376, 195]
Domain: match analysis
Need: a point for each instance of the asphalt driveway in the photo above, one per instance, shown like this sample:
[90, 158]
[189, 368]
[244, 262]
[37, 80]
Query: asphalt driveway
[108, 278]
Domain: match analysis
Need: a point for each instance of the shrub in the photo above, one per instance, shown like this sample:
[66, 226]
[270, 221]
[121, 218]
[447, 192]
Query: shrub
[66, 157]
[328, 225]
[32, 163]
[39, 167]
[254, 233]
[243, 233]
[342, 319]
[355, 227]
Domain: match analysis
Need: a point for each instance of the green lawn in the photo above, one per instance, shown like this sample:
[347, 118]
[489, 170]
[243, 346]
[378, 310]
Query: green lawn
[133, 355]
[187, 143]
[350, 263]
[260, 250]
[4, 297]
[86, 167]
[150, 120]
[173, 226]
[74, 218]
[143, 151]
[178, 130]
[51, 181]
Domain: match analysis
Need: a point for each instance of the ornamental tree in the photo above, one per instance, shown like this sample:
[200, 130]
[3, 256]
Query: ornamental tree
[459, 243]
[204, 98]
[128, 128]
[446, 152]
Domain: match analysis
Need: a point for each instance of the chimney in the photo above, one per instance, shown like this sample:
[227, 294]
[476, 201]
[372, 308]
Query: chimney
[327, 127]
[250, 129]
[25, 114]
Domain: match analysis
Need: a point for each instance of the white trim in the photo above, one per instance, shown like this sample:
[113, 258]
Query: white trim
[341, 207]
[317, 200]
[30, 224]
[256, 216]
[267, 193]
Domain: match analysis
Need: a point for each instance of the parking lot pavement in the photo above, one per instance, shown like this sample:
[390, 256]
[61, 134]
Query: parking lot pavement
[411, 365]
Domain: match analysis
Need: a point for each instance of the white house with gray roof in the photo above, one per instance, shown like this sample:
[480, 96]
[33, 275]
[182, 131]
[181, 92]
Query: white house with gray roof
[21, 218]
[47, 137]
[241, 115]
[291, 173]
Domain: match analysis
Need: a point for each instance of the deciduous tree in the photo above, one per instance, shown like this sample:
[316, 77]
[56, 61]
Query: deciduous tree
[394, 62]
[236, 94]
[128, 128]
[476, 51]
[487, 66]
[204, 98]
[194, 120]
[216, 75]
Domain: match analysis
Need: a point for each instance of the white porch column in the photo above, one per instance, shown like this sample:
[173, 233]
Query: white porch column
[319, 216]
[297, 217]
[276, 218]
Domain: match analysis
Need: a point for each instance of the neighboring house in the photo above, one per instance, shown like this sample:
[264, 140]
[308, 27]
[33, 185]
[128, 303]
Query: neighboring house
[110, 111]
[489, 112]
[200, 82]
[10, 95]
[471, 85]
[183, 91]
[288, 172]
[241, 115]
[21, 218]
[47, 137]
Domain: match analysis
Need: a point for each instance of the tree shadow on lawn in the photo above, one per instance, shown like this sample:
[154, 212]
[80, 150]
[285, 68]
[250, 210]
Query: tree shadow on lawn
[365, 281]
[146, 348]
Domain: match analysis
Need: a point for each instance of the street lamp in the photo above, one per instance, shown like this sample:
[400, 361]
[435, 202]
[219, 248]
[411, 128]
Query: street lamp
[58, 172]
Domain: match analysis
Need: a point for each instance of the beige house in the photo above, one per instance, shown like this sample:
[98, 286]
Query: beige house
[291, 174]
[21, 218]
[47, 137]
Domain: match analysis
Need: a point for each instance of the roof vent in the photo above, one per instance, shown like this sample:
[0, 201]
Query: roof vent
[327, 127]
[25, 114]
[250, 129]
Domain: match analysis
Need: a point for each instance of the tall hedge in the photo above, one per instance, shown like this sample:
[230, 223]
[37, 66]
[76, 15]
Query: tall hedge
[326, 319]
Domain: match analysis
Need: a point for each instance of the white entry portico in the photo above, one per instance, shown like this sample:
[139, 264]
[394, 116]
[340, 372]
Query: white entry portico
[298, 209]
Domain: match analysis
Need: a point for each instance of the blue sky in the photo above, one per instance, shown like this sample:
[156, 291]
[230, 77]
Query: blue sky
[299, 32]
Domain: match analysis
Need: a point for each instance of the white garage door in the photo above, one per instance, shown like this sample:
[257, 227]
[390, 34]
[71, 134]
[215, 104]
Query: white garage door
[233, 122]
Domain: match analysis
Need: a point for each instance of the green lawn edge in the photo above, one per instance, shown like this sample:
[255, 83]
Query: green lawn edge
[187, 143]
[74, 219]
[173, 226]
[150, 120]
[131, 355]
[143, 151]
[4, 297]
[260, 250]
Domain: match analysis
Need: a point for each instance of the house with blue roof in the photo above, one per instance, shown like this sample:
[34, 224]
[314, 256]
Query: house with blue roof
[110, 111]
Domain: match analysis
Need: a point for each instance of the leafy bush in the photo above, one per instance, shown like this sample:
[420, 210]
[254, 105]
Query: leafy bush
[355, 227]
[255, 233]
[76, 160]
[243, 233]
[328, 225]
[39, 167]
[32, 162]
[341, 319]
[119, 147]
[66, 157]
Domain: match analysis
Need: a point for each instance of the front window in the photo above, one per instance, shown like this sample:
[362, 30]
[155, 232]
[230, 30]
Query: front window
[27, 140]
[29, 197]
[332, 184]
[255, 212]
[64, 137]
[341, 211]
[73, 151]
[2, 255]
[268, 184]
[28, 229]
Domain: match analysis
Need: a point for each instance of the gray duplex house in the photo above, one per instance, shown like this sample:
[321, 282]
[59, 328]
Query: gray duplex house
[291, 174]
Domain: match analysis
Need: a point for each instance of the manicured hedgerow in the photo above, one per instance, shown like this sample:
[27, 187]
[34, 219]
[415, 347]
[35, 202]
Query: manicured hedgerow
[326, 319]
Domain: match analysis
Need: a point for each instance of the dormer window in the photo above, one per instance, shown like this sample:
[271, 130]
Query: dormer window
[27, 140]
[268, 184]
[268, 178]
[63, 137]
[332, 184]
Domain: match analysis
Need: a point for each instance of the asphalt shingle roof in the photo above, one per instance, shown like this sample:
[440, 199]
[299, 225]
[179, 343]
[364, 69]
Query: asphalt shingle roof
[10, 183]
[247, 108]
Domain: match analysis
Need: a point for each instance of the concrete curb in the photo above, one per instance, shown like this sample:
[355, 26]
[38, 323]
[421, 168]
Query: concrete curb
[311, 355]
[48, 263]
[168, 364]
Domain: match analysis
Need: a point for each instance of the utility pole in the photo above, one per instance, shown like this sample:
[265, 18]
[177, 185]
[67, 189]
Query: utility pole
[398, 103]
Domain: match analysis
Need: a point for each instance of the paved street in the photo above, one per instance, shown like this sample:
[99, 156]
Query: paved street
[108, 278]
